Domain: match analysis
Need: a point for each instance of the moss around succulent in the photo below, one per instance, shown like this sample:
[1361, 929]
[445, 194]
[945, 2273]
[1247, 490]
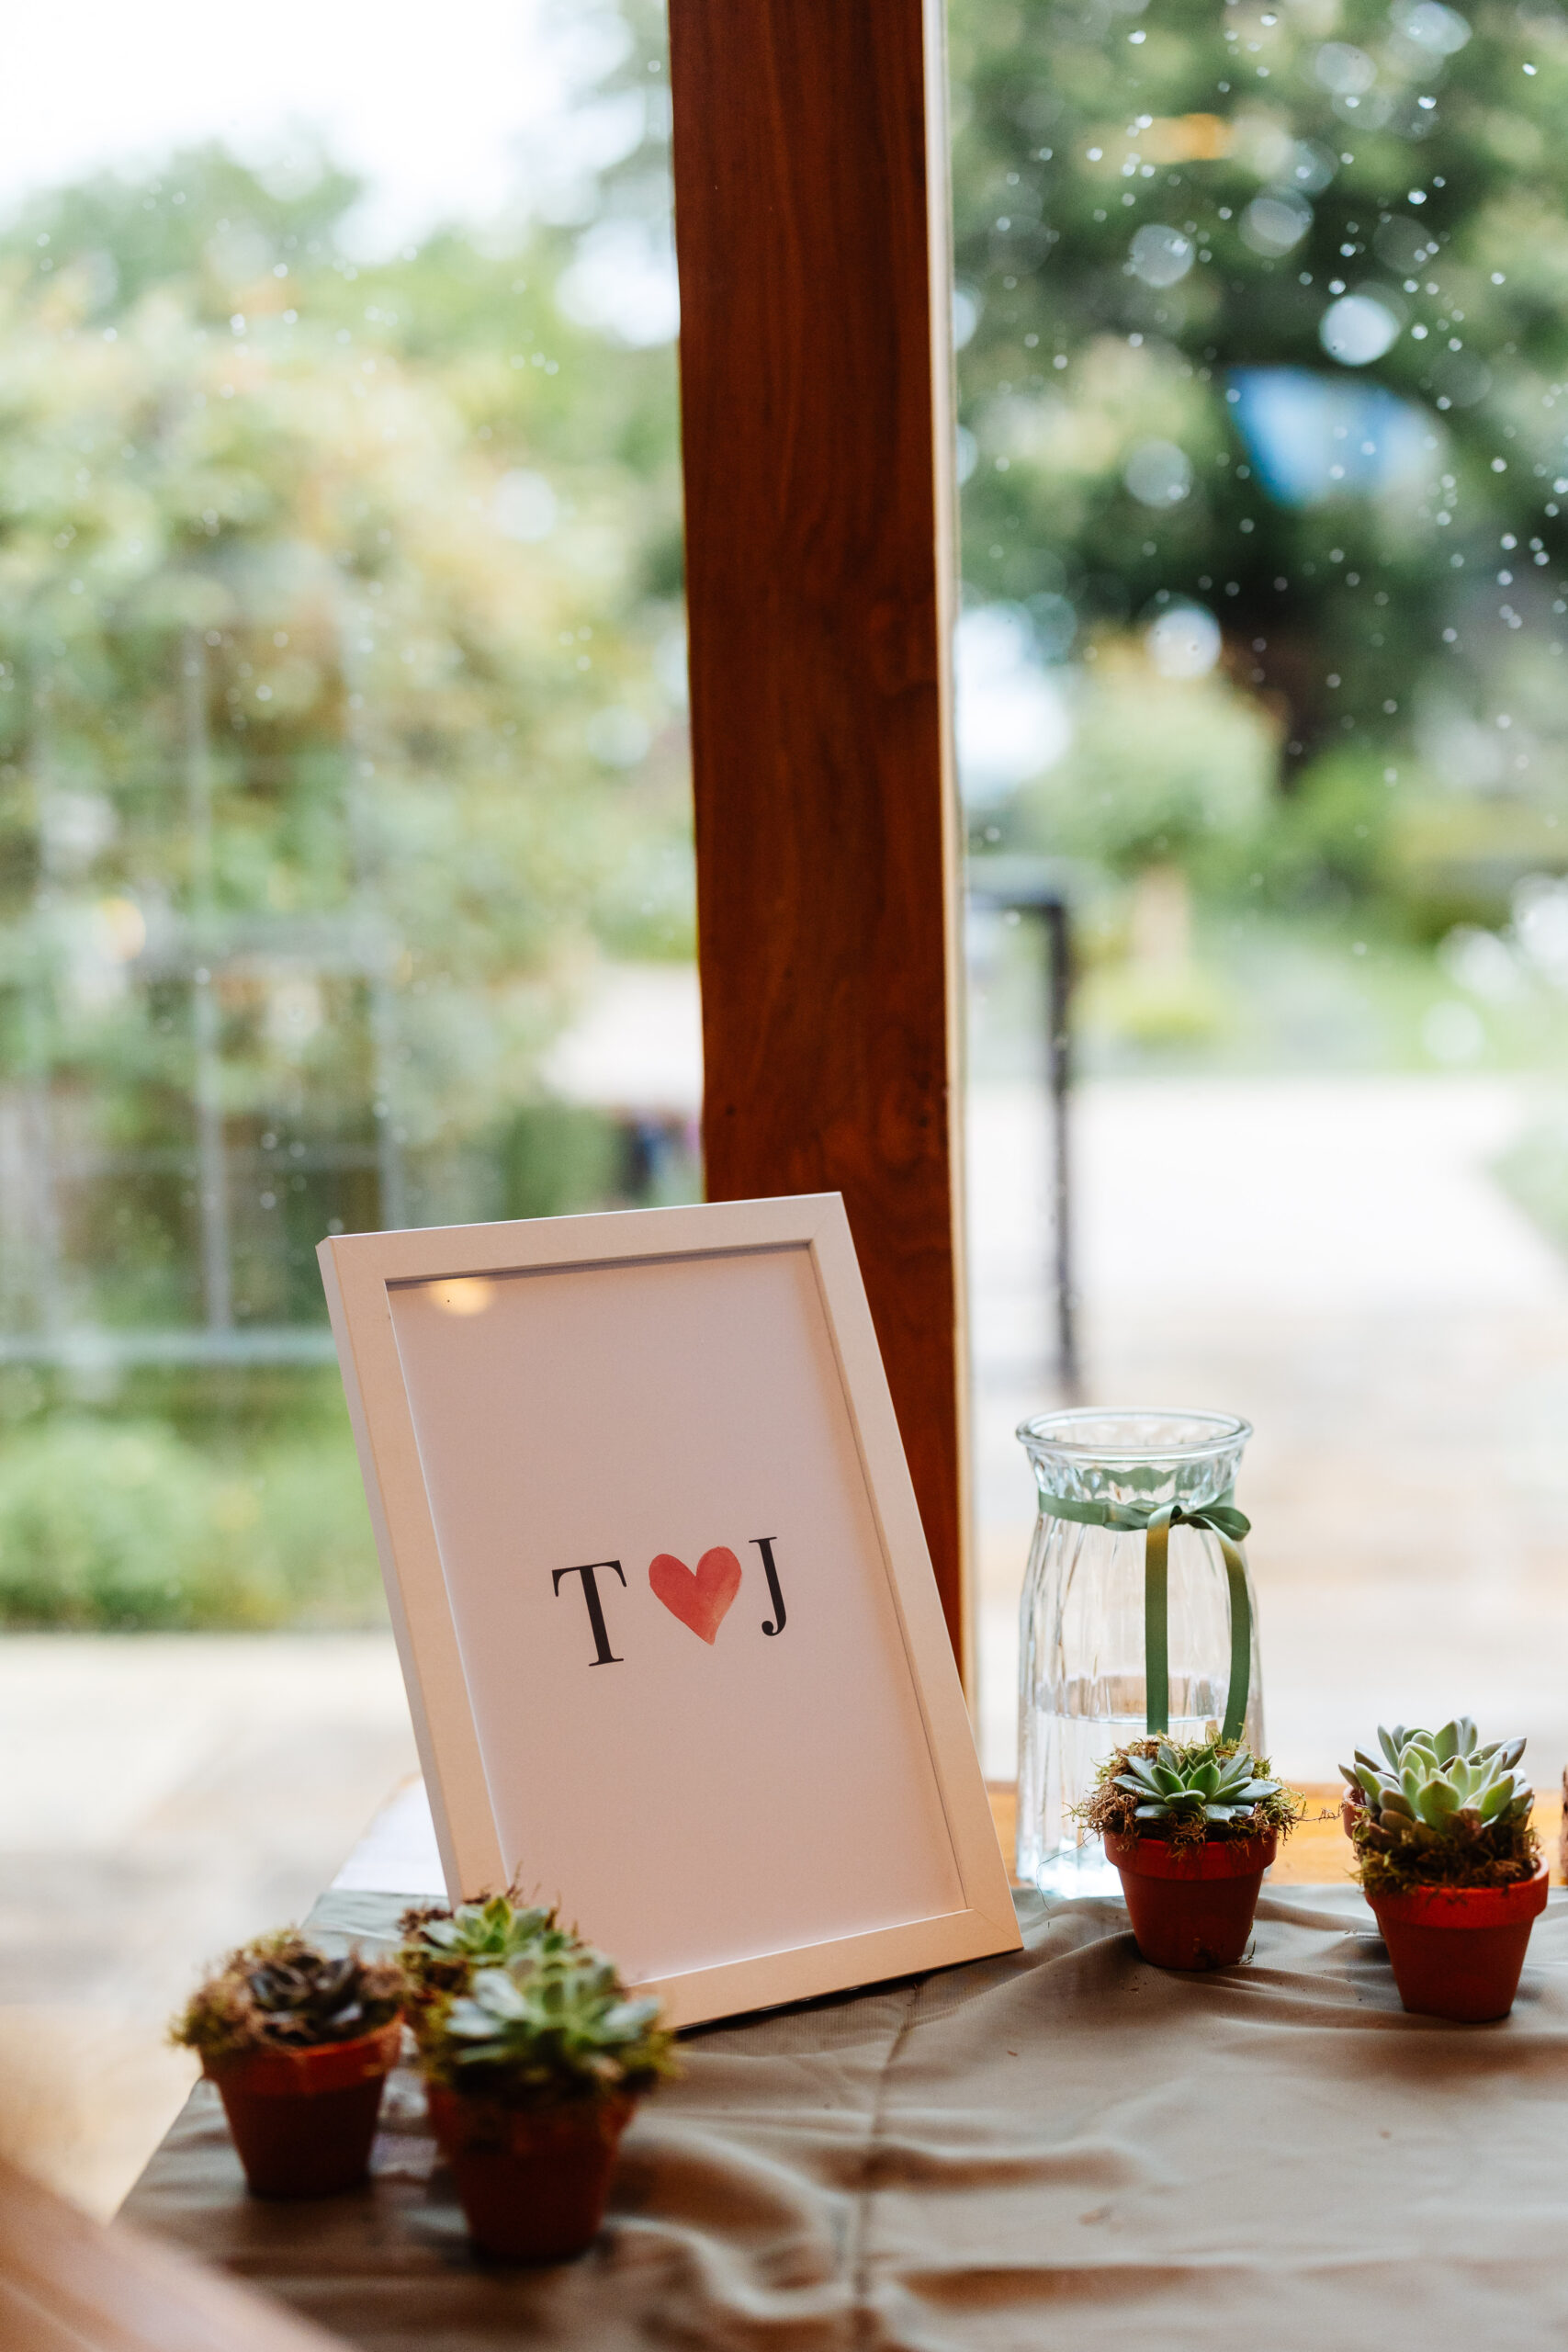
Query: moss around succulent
[1438, 1808]
[1155, 1788]
[551, 2023]
[441, 1949]
[283, 1993]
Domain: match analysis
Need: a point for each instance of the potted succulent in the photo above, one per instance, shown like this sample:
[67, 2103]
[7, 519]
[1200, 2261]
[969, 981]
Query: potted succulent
[299, 2043]
[1192, 1828]
[1448, 1861]
[532, 2063]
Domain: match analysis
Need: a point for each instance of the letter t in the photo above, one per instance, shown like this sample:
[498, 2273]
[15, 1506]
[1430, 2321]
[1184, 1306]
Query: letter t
[606, 1655]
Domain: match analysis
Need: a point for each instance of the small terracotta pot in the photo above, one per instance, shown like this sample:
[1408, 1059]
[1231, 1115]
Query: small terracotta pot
[1192, 1908]
[303, 2120]
[1457, 1952]
[534, 2181]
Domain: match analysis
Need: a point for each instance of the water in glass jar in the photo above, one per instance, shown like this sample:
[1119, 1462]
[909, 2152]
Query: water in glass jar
[1059, 1754]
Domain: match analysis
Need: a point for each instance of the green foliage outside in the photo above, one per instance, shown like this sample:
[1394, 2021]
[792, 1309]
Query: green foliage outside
[341, 735]
[110, 1524]
[1084, 128]
[299, 675]
[1268, 320]
[1201, 800]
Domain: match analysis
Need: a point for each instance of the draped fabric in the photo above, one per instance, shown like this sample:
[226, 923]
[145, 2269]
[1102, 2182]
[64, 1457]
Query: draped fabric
[1060, 2147]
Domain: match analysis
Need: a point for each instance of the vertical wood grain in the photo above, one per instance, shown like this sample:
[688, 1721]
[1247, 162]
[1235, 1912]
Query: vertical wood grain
[810, 213]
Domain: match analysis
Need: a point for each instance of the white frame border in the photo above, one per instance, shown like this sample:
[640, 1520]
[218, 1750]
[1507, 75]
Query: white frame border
[358, 1270]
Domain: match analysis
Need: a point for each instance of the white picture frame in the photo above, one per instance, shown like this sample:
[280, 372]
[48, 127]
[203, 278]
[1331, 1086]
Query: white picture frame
[554, 1418]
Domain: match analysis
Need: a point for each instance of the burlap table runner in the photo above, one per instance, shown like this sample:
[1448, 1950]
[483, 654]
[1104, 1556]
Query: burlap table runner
[1061, 2147]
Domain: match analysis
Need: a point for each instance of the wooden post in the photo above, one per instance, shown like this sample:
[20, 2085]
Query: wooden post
[816, 366]
[68, 2285]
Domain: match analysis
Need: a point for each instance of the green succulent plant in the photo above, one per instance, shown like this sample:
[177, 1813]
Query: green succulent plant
[1174, 1785]
[552, 2022]
[1185, 1793]
[282, 1992]
[1430, 1778]
[441, 1947]
[1440, 1808]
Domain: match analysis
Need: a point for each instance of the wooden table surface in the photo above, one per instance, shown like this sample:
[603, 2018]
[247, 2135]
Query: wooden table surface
[1318, 1852]
[397, 1855]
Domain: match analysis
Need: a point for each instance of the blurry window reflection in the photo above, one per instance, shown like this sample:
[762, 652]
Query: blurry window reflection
[1264, 398]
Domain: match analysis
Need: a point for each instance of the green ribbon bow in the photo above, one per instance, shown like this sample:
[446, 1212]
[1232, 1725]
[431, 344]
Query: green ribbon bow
[1223, 1521]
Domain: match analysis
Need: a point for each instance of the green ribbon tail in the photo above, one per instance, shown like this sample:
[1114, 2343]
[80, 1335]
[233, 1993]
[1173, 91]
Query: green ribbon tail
[1228, 1526]
[1157, 1621]
[1241, 1639]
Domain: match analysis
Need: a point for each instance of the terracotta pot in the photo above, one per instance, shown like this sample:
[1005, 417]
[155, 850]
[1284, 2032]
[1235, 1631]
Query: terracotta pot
[1456, 1952]
[534, 2181]
[303, 2120]
[1192, 1908]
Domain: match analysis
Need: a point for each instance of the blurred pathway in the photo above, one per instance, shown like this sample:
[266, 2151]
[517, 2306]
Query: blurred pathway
[1330, 1258]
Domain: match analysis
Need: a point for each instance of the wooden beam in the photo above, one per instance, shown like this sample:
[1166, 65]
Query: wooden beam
[816, 368]
[69, 2285]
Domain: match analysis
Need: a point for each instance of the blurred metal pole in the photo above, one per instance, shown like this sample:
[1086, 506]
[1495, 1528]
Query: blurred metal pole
[1059, 1069]
[213, 1177]
[1027, 887]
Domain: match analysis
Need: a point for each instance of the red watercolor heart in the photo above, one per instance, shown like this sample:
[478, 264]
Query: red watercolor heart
[702, 1601]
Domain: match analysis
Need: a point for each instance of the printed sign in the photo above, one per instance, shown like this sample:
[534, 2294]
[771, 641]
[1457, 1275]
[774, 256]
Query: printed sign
[669, 1624]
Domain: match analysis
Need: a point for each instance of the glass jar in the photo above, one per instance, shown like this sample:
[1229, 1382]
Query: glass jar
[1136, 1555]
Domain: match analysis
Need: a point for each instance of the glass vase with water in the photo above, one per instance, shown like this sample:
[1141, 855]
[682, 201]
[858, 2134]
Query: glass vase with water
[1137, 1615]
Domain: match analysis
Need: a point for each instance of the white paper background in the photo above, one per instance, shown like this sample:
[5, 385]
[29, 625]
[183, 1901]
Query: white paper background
[693, 1805]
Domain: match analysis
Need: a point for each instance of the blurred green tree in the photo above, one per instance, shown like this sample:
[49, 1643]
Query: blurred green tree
[1267, 313]
[339, 718]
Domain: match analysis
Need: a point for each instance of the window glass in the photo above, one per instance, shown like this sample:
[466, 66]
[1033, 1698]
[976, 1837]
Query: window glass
[1264, 392]
[341, 747]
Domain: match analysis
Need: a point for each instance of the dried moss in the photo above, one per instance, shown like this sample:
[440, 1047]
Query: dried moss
[1468, 1853]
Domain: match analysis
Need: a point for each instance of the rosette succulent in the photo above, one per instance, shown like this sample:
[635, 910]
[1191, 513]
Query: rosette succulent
[441, 1949]
[1174, 1786]
[283, 1993]
[1440, 1807]
[553, 2022]
[1430, 1779]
